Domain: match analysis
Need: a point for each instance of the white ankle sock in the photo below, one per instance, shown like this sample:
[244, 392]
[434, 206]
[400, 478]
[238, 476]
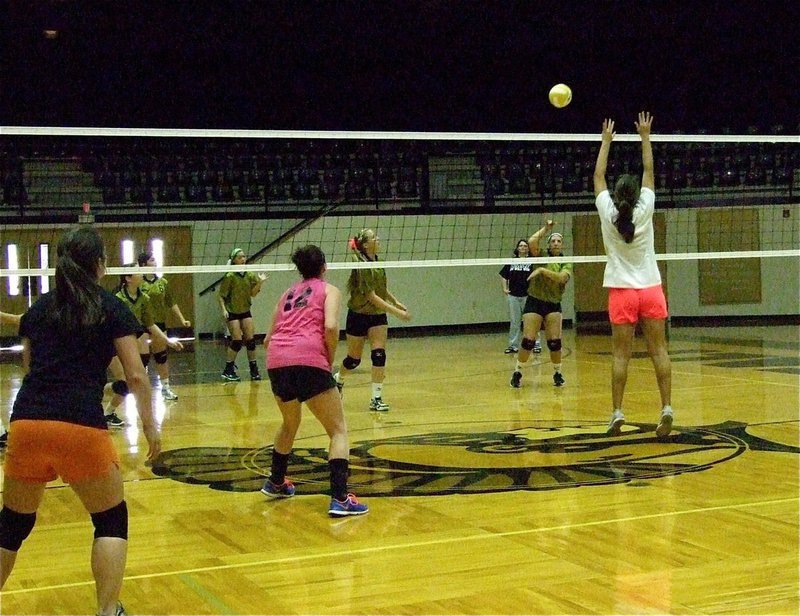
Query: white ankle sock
[377, 390]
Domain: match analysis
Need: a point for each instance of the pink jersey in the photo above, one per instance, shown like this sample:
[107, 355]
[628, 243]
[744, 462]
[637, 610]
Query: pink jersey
[299, 335]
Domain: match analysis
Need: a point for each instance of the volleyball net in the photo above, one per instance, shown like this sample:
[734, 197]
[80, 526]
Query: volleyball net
[448, 208]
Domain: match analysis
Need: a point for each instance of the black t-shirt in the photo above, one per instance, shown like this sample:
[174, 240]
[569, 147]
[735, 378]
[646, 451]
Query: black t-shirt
[517, 276]
[68, 369]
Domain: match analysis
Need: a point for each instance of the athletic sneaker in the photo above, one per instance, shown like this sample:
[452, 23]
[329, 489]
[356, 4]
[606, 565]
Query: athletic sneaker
[349, 506]
[255, 375]
[119, 610]
[616, 423]
[284, 490]
[664, 424]
[168, 394]
[113, 421]
[377, 404]
[537, 346]
[558, 379]
[3, 439]
[230, 375]
[516, 379]
[510, 350]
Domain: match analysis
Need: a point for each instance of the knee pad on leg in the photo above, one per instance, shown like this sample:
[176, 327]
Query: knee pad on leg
[528, 344]
[160, 357]
[236, 345]
[111, 522]
[378, 357]
[250, 345]
[145, 357]
[120, 388]
[15, 528]
[554, 345]
[351, 363]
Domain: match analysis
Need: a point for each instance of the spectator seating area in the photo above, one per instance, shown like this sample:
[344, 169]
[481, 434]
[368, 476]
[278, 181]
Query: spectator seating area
[569, 168]
[200, 171]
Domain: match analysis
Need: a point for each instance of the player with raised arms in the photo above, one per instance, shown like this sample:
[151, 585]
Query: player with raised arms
[631, 274]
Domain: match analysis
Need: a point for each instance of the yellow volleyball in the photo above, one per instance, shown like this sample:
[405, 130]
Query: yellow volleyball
[560, 95]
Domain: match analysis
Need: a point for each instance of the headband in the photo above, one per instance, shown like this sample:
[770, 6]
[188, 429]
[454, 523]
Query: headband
[552, 235]
[235, 252]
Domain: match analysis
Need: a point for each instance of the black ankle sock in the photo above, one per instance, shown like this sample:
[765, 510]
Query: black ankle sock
[339, 473]
[280, 462]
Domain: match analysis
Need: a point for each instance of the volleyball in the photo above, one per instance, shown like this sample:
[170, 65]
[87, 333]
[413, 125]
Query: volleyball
[560, 95]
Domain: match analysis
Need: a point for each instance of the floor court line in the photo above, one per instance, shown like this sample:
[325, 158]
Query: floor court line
[403, 546]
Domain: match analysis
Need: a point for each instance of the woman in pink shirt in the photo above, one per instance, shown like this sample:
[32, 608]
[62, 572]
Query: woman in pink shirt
[631, 275]
[301, 345]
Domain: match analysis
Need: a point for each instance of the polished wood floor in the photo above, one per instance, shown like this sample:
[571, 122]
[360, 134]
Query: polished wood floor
[483, 499]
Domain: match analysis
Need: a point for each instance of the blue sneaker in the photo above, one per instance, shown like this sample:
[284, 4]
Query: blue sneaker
[284, 490]
[349, 506]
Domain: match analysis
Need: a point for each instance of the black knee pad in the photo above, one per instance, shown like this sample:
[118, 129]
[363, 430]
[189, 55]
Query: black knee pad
[145, 357]
[528, 344]
[120, 388]
[250, 345]
[351, 363]
[236, 345]
[15, 528]
[111, 522]
[160, 357]
[378, 357]
[554, 345]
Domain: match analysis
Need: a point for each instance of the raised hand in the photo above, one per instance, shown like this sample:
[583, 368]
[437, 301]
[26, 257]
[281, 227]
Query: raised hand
[608, 133]
[644, 124]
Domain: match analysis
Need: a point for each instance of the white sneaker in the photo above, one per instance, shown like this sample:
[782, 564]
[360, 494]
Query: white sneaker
[616, 423]
[664, 424]
[377, 404]
[168, 394]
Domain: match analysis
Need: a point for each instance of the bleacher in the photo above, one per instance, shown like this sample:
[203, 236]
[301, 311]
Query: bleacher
[47, 177]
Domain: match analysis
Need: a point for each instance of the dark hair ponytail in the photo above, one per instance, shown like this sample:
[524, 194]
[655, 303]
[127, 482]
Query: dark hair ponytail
[626, 191]
[78, 300]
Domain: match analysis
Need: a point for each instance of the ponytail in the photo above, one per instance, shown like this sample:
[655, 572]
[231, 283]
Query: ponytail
[78, 299]
[356, 245]
[626, 192]
[624, 221]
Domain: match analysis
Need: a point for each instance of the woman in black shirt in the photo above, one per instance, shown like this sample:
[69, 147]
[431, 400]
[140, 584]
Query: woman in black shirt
[57, 426]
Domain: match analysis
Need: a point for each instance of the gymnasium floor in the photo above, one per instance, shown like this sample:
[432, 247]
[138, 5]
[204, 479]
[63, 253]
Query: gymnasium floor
[484, 499]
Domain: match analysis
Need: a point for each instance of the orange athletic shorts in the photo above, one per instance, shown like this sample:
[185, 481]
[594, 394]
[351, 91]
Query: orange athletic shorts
[629, 305]
[41, 450]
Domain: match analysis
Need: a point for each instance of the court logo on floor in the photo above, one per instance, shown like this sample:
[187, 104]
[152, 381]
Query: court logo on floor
[477, 457]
